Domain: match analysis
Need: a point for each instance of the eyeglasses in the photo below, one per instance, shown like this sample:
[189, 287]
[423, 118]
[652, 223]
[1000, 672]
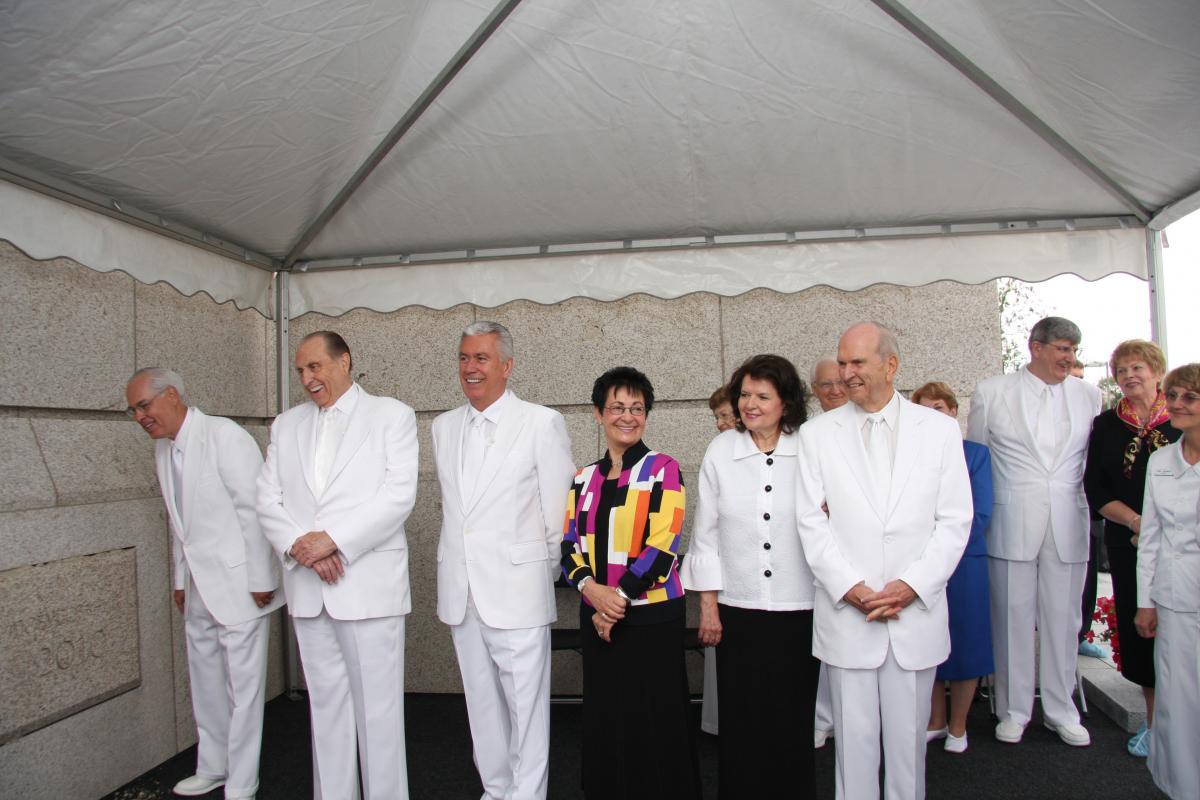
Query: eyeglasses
[1181, 396]
[1061, 349]
[827, 385]
[142, 406]
[618, 410]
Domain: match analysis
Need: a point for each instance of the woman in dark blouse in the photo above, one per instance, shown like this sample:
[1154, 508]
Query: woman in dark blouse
[620, 542]
[1115, 478]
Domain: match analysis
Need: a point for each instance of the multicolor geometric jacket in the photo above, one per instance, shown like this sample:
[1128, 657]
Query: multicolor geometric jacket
[627, 534]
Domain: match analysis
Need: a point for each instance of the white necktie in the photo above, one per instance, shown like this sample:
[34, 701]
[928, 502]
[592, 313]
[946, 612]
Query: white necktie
[1045, 433]
[326, 447]
[474, 452]
[879, 456]
[177, 477]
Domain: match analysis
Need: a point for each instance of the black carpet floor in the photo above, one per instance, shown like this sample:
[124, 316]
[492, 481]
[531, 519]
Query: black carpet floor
[439, 758]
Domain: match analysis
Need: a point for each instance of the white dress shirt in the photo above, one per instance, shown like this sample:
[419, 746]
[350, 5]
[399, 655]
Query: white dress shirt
[1048, 434]
[744, 541]
[1168, 563]
[478, 435]
[177, 454]
[332, 422]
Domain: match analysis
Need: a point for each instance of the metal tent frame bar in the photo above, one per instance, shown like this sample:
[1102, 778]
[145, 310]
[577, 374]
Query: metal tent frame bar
[955, 57]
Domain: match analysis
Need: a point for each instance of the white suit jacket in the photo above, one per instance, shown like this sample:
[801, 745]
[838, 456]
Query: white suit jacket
[917, 537]
[504, 540]
[370, 492]
[1028, 493]
[217, 539]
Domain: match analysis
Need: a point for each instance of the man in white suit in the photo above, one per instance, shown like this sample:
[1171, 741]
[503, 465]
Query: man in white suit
[895, 482]
[504, 466]
[225, 575]
[339, 481]
[1037, 422]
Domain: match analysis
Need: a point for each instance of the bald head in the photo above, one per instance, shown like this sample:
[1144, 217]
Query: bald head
[868, 358]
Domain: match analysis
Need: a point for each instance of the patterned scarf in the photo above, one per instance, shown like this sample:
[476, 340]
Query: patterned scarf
[1142, 431]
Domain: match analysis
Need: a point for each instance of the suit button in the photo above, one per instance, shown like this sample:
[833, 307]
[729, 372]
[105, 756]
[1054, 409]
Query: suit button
[767, 572]
[770, 461]
[768, 488]
[767, 517]
[766, 545]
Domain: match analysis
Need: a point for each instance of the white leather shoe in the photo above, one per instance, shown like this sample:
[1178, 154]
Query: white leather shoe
[820, 737]
[956, 744]
[1009, 731]
[197, 785]
[935, 734]
[1072, 733]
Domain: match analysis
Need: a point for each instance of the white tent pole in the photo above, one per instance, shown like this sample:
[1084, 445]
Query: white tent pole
[283, 374]
[439, 83]
[1158, 294]
[955, 57]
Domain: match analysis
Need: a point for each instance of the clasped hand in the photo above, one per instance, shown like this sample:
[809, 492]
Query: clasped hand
[883, 605]
[610, 607]
[317, 551]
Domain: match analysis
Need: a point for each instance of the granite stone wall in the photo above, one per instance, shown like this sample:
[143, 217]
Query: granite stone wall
[77, 478]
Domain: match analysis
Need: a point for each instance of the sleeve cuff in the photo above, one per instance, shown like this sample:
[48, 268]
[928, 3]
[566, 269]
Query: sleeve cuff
[701, 573]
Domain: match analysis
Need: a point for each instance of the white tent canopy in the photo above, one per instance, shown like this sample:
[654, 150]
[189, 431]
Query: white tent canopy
[595, 149]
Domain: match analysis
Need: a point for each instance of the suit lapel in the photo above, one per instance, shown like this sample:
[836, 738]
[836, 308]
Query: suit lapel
[511, 423]
[851, 446]
[356, 433]
[193, 461]
[1014, 400]
[907, 444]
[305, 442]
[166, 482]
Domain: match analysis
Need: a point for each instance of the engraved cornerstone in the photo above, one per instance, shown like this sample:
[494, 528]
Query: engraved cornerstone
[68, 638]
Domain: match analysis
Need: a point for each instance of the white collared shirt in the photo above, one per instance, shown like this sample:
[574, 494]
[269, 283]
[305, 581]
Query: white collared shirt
[332, 422]
[744, 543]
[474, 456]
[1168, 563]
[891, 419]
[1031, 389]
[177, 458]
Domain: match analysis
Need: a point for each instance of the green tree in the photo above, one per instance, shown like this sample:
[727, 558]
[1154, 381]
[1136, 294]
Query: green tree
[1019, 310]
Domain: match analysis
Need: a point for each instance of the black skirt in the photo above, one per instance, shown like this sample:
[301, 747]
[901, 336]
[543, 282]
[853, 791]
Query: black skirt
[766, 701]
[1137, 654]
[638, 740]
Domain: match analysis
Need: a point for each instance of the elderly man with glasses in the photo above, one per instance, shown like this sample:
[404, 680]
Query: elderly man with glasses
[1036, 422]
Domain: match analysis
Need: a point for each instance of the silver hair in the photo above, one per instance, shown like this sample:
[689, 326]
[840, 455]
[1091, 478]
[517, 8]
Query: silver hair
[812, 373]
[483, 327]
[161, 379]
[1051, 329]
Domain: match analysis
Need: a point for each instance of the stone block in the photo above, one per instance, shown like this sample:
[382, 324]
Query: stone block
[1111, 694]
[562, 349]
[70, 638]
[70, 327]
[220, 352]
[93, 460]
[682, 431]
[430, 663]
[99, 748]
[408, 354]
[24, 480]
[806, 326]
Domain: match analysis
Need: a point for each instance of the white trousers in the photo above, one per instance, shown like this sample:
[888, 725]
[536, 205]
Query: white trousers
[354, 670]
[506, 680]
[708, 709]
[890, 701]
[1044, 593]
[1175, 740]
[824, 716]
[227, 665]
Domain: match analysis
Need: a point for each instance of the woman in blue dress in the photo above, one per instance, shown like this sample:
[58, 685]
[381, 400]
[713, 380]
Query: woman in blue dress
[966, 595]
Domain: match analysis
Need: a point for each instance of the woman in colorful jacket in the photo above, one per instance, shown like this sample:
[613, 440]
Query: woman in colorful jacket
[620, 542]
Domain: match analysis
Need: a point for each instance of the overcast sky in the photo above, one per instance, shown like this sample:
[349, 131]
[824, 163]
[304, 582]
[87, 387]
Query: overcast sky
[1116, 308]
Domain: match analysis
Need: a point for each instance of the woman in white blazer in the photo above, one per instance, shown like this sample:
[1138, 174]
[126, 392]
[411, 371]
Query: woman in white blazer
[1168, 572]
[756, 590]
